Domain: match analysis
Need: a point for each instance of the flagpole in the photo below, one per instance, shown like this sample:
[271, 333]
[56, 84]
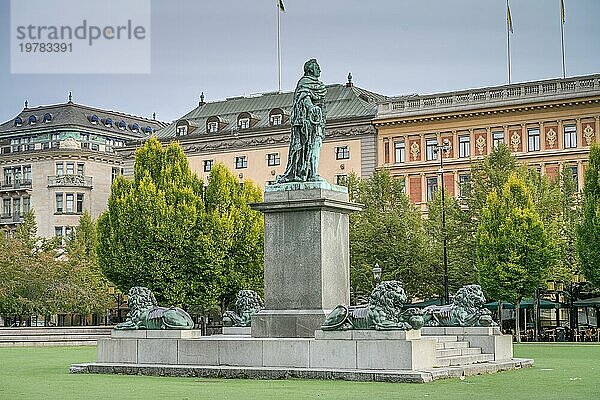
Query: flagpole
[562, 36]
[508, 17]
[278, 46]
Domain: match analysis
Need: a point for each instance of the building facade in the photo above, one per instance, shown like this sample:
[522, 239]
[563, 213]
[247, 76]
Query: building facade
[547, 124]
[250, 135]
[60, 160]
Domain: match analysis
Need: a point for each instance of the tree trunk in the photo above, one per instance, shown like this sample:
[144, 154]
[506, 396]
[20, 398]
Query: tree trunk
[517, 320]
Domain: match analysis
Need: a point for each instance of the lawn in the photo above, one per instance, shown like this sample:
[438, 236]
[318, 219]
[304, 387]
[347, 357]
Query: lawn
[561, 371]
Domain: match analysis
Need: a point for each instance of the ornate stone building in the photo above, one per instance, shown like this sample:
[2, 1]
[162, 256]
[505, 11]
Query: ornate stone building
[547, 124]
[250, 135]
[60, 160]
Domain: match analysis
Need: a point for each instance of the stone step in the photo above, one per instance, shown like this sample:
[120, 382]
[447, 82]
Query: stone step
[463, 360]
[50, 343]
[464, 351]
[41, 338]
[444, 338]
[451, 345]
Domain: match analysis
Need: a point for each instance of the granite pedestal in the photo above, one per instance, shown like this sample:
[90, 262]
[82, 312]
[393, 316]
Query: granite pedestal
[307, 261]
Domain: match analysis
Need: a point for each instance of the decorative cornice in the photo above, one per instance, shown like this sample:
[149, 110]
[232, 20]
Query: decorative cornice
[51, 154]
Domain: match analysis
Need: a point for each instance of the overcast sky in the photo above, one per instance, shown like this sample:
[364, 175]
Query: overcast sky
[227, 48]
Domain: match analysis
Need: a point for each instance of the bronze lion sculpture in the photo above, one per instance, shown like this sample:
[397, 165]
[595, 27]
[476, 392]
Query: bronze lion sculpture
[144, 313]
[385, 311]
[466, 310]
[247, 303]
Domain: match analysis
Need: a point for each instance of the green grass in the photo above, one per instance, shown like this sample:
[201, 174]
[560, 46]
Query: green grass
[561, 371]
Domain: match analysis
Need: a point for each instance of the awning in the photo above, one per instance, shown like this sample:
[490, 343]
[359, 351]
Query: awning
[593, 302]
[525, 303]
[425, 303]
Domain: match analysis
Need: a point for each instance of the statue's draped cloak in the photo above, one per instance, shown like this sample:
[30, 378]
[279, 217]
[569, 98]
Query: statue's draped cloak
[307, 130]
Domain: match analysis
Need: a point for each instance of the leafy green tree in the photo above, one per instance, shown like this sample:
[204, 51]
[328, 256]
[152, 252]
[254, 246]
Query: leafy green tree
[189, 246]
[462, 262]
[389, 231]
[588, 231]
[238, 229]
[513, 249]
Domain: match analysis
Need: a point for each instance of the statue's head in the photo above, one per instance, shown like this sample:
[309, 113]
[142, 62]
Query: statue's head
[311, 67]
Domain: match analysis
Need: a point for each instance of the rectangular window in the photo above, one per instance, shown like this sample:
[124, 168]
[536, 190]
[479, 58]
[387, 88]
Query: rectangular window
[399, 152]
[95, 146]
[276, 119]
[80, 169]
[16, 206]
[342, 153]
[70, 168]
[269, 183]
[533, 135]
[85, 146]
[27, 174]
[431, 149]
[341, 180]
[432, 184]
[6, 203]
[116, 171]
[212, 127]
[273, 159]
[54, 145]
[463, 181]
[464, 146]
[386, 152]
[574, 175]
[68, 231]
[26, 204]
[570, 136]
[8, 176]
[497, 138]
[241, 162]
[59, 202]
[69, 203]
[207, 165]
[79, 203]
[58, 231]
[244, 123]
[60, 169]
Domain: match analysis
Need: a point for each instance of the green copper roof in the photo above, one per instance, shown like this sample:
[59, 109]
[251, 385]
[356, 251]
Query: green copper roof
[342, 102]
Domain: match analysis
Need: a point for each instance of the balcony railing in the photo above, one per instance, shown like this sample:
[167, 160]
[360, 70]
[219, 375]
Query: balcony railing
[70, 181]
[11, 218]
[16, 185]
[493, 96]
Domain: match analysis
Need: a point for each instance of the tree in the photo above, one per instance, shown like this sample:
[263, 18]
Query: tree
[389, 231]
[462, 263]
[588, 231]
[513, 249]
[239, 229]
[162, 231]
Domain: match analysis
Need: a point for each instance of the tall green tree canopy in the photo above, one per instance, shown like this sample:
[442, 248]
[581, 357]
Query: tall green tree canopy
[163, 231]
[588, 231]
[513, 249]
[389, 231]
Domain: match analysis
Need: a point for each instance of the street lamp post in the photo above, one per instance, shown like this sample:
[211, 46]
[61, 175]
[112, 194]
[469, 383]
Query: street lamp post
[376, 273]
[440, 149]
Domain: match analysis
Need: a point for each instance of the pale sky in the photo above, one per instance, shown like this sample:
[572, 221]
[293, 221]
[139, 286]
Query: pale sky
[227, 48]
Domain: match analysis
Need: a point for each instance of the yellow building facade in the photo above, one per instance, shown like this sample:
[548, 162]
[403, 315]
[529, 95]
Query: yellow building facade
[548, 125]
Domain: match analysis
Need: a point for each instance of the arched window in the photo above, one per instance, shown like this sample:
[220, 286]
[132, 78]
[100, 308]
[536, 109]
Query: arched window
[94, 119]
[122, 125]
[47, 117]
[108, 122]
[32, 119]
[18, 121]
[135, 127]
[277, 117]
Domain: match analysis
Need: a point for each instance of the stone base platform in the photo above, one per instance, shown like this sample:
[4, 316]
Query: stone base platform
[395, 356]
[230, 372]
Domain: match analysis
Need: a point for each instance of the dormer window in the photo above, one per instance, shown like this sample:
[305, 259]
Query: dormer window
[122, 125]
[32, 119]
[18, 121]
[212, 127]
[47, 117]
[108, 123]
[94, 119]
[148, 129]
[244, 123]
[182, 130]
[277, 117]
[135, 128]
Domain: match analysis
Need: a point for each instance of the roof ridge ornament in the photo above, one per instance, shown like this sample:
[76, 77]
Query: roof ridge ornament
[201, 103]
[70, 97]
[26, 104]
[349, 83]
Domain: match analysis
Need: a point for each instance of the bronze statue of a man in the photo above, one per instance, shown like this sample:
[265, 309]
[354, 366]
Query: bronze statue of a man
[308, 124]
